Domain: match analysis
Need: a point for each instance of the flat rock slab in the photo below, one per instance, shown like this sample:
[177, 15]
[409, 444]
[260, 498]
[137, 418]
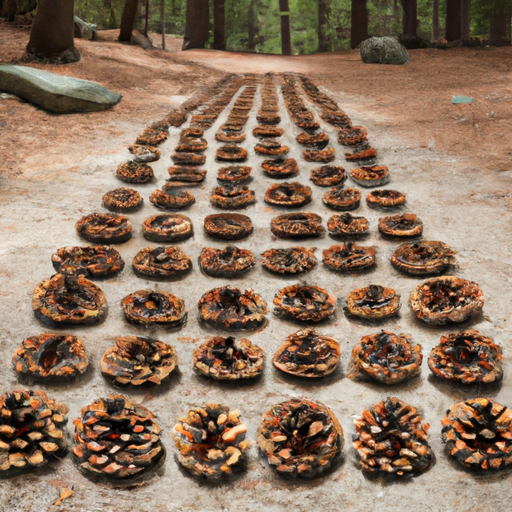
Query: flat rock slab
[462, 99]
[383, 50]
[56, 93]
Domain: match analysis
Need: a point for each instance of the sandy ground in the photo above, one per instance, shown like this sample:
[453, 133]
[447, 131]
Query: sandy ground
[453, 163]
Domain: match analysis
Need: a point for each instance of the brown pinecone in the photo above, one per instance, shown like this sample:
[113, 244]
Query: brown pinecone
[136, 360]
[31, 430]
[117, 438]
[478, 434]
[390, 439]
[51, 356]
[211, 441]
[301, 438]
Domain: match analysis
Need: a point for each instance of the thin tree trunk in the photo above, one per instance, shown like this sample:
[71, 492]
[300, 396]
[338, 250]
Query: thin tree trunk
[113, 23]
[219, 34]
[435, 20]
[453, 24]
[499, 28]
[52, 34]
[359, 27]
[146, 18]
[464, 21]
[323, 20]
[9, 10]
[128, 19]
[410, 18]
[286, 41]
[251, 26]
[162, 20]
[197, 24]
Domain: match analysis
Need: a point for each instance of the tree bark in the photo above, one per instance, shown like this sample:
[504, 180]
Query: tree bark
[409, 19]
[197, 24]
[323, 20]
[251, 26]
[10, 10]
[464, 21]
[128, 19]
[435, 20]
[52, 34]
[453, 16]
[219, 34]
[499, 30]
[146, 18]
[359, 27]
[286, 40]
[162, 21]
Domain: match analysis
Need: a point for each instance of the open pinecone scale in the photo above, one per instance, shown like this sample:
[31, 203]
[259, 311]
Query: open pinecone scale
[31, 430]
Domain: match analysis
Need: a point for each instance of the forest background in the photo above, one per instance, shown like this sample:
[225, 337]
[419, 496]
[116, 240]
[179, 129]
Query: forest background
[254, 25]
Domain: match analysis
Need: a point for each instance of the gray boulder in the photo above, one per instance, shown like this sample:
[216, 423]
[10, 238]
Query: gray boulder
[383, 50]
[56, 93]
[84, 30]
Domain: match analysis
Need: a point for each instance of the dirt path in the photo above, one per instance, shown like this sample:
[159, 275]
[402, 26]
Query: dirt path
[414, 100]
[54, 169]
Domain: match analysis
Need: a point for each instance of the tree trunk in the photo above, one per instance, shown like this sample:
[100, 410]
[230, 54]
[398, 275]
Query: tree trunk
[286, 41]
[128, 19]
[52, 34]
[435, 20]
[323, 20]
[162, 21]
[113, 22]
[146, 18]
[219, 35]
[410, 18]
[251, 26]
[197, 24]
[453, 16]
[359, 27]
[464, 21]
[9, 9]
[499, 29]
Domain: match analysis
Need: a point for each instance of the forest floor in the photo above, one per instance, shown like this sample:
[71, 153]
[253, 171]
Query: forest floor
[413, 100]
[453, 162]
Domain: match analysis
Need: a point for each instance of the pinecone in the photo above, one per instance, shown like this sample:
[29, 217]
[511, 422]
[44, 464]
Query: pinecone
[51, 357]
[31, 430]
[387, 357]
[391, 439]
[117, 438]
[211, 441]
[301, 438]
[136, 360]
[478, 434]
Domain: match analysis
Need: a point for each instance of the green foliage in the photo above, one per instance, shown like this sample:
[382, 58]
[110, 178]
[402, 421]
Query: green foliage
[338, 31]
[103, 13]
[481, 12]
[255, 25]
[106, 14]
